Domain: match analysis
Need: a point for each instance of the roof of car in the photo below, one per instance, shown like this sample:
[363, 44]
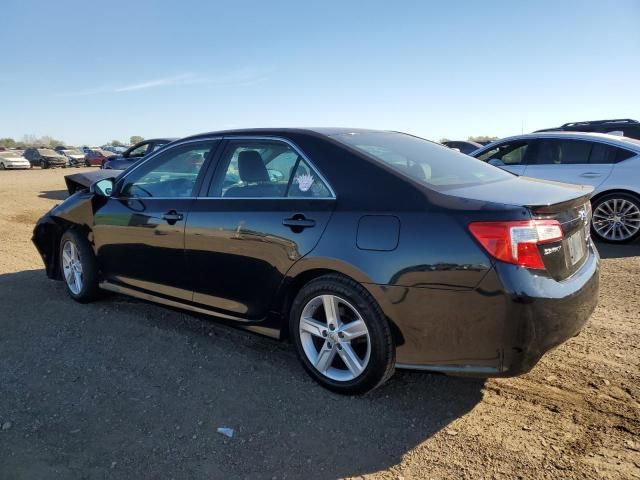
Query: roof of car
[612, 139]
[316, 131]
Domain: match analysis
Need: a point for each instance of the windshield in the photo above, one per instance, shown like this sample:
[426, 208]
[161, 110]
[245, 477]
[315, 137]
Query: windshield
[9, 155]
[430, 163]
[47, 152]
[72, 152]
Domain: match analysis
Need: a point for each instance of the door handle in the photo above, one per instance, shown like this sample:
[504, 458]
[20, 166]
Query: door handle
[172, 217]
[590, 174]
[298, 222]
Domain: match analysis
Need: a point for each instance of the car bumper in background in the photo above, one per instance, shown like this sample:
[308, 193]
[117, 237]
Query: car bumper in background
[17, 166]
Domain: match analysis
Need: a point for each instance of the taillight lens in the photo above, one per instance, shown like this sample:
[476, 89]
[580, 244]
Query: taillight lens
[517, 242]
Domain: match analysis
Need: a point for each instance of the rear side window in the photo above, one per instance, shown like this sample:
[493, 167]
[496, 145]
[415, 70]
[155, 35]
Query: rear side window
[562, 152]
[429, 163]
[266, 169]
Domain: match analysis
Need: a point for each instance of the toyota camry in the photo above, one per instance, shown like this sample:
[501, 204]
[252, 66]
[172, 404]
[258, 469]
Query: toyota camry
[369, 250]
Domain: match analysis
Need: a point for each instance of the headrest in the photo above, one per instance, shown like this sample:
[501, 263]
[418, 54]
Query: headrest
[251, 168]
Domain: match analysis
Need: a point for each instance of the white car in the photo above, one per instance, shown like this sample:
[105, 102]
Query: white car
[12, 160]
[609, 163]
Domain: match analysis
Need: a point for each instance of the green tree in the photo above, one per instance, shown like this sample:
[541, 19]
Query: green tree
[7, 142]
[116, 143]
[136, 139]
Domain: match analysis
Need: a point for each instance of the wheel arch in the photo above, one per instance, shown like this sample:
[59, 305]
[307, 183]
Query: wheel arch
[601, 194]
[297, 278]
[47, 237]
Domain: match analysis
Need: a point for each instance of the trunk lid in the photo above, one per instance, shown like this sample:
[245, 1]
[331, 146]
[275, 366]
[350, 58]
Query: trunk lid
[546, 200]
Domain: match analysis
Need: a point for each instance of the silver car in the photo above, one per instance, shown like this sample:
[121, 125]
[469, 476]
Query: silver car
[611, 164]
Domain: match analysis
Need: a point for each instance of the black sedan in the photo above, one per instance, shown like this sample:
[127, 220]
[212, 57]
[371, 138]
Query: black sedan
[369, 250]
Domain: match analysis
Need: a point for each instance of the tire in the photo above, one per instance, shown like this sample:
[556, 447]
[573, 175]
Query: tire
[2, 167]
[354, 304]
[621, 207]
[44, 165]
[88, 289]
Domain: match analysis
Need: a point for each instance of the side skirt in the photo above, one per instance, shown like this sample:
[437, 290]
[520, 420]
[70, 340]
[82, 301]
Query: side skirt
[457, 370]
[269, 332]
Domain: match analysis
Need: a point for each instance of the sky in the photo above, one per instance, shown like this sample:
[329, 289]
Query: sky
[91, 72]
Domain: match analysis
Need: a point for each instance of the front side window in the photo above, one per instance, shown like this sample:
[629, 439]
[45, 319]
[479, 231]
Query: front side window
[266, 169]
[562, 152]
[169, 175]
[507, 153]
[140, 151]
[429, 163]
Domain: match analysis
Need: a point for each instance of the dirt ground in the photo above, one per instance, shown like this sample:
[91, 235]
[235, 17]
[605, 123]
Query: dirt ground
[125, 389]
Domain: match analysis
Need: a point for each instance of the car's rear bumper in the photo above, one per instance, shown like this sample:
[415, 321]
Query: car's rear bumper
[502, 327]
[544, 313]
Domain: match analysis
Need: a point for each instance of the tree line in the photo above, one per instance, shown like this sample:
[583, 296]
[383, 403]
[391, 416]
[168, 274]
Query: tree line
[49, 142]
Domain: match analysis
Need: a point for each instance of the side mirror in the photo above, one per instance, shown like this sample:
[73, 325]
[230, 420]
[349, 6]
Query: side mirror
[496, 162]
[103, 188]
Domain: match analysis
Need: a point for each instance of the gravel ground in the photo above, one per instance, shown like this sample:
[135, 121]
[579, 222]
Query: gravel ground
[126, 389]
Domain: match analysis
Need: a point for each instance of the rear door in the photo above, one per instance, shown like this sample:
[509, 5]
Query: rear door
[571, 161]
[266, 207]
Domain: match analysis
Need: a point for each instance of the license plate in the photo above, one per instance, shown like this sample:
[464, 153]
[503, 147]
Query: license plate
[576, 244]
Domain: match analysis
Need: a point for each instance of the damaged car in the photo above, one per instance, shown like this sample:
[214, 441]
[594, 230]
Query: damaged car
[45, 158]
[369, 250]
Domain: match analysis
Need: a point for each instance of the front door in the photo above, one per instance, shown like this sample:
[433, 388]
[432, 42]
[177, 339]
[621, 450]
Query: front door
[265, 209]
[139, 232]
[510, 156]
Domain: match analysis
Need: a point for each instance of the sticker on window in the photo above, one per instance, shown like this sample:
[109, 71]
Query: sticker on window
[304, 182]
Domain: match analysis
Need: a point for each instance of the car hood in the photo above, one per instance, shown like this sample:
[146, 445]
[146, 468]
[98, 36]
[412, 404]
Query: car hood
[522, 191]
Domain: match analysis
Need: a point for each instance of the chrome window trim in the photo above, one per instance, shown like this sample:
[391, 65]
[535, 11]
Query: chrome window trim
[233, 137]
[295, 148]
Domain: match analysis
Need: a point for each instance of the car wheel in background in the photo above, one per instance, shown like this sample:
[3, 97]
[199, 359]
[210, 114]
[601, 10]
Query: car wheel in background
[341, 335]
[616, 218]
[78, 266]
[44, 165]
[2, 167]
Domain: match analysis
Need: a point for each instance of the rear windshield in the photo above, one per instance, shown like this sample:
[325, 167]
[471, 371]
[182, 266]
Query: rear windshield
[429, 163]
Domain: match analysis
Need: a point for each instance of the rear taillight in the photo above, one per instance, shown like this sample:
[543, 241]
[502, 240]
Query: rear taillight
[517, 242]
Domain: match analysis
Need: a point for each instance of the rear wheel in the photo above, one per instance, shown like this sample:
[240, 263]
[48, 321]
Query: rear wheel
[78, 266]
[616, 218]
[341, 335]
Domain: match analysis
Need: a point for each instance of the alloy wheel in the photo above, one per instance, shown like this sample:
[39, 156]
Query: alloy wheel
[335, 338]
[616, 219]
[72, 267]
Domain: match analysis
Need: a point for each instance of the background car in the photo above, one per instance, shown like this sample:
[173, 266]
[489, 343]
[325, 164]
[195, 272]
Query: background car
[97, 157]
[136, 152]
[75, 156]
[463, 146]
[369, 250]
[45, 157]
[617, 126]
[12, 160]
[609, 163]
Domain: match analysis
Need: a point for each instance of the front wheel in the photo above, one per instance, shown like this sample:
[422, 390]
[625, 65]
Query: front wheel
[616, 218]
[45, 165]
[341, 335]
[2, 167]
[78, 266]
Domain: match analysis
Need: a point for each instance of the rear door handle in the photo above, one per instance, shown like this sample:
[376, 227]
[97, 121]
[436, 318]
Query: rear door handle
[298, 222]
[591, 174]
[172, 217]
